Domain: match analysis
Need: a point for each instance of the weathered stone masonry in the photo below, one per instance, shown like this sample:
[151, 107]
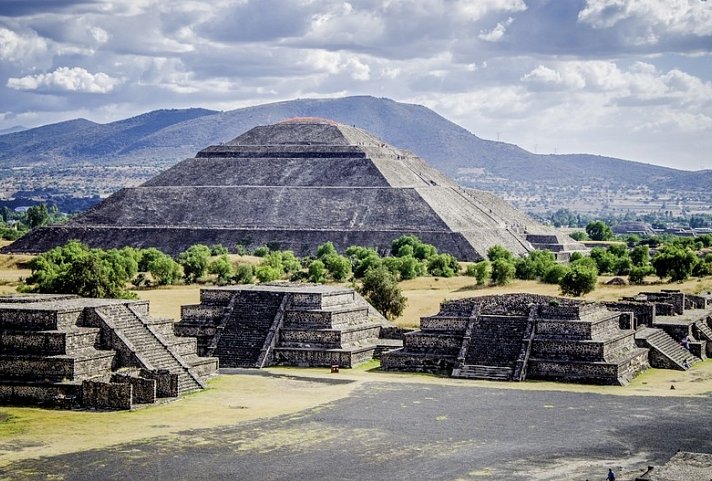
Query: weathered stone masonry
[285, 324]
[66, 351]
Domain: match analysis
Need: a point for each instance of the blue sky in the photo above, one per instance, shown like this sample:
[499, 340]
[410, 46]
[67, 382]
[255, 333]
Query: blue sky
[625, 78]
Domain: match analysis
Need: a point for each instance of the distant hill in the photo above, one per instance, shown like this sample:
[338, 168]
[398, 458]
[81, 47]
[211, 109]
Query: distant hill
[168, 136]
[13, 129]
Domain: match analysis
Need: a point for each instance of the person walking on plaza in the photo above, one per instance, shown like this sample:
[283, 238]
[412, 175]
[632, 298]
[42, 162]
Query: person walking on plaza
[611, 475]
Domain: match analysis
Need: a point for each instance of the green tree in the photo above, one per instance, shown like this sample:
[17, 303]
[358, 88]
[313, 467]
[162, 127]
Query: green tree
[218, 250]
[339, 267]
[554, 274]
[443, 265]
[362, 259]
[579, 236]
[534, 265]
[503, 271]
[244, 274]
[266, 273]
[599, 231]
[638, 273]
[674, 262]
[640, 255]
[37, 216]
[605, 261]
[317, 271]
[146, 256]
[76, 269]
[222, 268]
[411, 267]
[499, 252]
[194, 261]
[261, 251]
[579, 280]
[327, 248]
[381, 290]
[164, 270]
[482, 271]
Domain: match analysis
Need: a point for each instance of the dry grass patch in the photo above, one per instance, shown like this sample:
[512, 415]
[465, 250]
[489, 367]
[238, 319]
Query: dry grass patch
[33, 432]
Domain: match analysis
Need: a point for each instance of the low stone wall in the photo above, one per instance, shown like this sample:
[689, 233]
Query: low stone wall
[643, 312]
[218, 297]
[697, 302]
[676, 298]
[394, 332]
[38, 368]
[166, 382]
[144, 390]
[201, 313]
[563, 329]
[411, 362]
[436, 342]
[50, 395]
[594, 373]
[43, 343]
[103, 395]
[447, 324]
[321, 358]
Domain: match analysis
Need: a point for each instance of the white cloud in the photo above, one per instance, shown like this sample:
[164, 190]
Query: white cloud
[67, 79]
[496, 34]
[19, 49]
[647, 21]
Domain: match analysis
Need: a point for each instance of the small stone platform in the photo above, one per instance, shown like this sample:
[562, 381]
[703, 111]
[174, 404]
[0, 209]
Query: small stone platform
[284, 324]
[68, 352]
[517, 336]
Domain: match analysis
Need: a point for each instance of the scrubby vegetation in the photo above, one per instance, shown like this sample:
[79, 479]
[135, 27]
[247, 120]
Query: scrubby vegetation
[74, 268]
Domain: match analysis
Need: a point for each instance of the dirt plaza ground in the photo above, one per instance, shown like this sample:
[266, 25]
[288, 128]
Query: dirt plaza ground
[285, 424]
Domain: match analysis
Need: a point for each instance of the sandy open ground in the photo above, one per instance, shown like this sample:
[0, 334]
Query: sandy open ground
[27, 433]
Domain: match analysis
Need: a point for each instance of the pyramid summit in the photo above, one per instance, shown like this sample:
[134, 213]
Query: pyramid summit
[294, 185]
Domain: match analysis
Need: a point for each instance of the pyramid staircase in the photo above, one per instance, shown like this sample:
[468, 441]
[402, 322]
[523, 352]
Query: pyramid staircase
[494, 347]
[703, 330]
[246, 328]
[65, 351]
[156, 347]
[665, 353]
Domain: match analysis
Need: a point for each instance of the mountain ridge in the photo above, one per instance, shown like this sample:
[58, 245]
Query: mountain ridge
[168, 136]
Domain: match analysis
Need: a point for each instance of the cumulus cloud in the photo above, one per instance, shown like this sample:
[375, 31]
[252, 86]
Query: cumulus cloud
[66, 79]
[19, 48]
[522, 68]
[645, 22]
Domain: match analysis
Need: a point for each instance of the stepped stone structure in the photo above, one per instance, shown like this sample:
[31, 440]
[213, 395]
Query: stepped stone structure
[66, 351]
[285, 324]
[675, 326]
[295, 185]
[522, 336]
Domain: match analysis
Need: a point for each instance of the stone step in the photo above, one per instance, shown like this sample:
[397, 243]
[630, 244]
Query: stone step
[492, 373]
[704, 330]
[666, 346]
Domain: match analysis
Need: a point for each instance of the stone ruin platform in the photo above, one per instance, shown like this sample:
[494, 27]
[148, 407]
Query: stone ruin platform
[68, 352]
[296, 185]
[522, 336]
[285, 324]
[663, 319]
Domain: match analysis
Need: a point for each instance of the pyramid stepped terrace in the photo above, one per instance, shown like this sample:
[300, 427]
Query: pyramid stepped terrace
[513, 337]
[285, 324]
[66, 351]
[295, 185]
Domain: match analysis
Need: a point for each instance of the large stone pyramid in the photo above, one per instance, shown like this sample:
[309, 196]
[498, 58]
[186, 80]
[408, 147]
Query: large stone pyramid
[295, 185]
